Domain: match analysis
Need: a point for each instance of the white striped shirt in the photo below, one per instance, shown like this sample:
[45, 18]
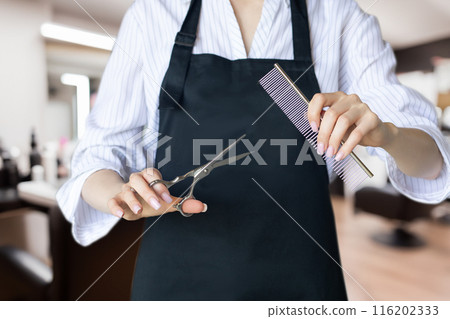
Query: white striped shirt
[349, 56]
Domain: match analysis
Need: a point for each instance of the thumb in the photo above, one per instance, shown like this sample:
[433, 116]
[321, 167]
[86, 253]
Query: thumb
[191, 205]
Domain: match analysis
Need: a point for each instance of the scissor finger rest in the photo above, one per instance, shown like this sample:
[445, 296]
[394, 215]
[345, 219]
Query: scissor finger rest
[179, 206]
[168, 184]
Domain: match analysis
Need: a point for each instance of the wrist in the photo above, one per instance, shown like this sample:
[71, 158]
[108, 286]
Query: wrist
[391, 136]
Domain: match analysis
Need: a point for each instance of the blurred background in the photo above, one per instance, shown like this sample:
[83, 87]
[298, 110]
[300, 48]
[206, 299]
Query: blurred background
[52, 56]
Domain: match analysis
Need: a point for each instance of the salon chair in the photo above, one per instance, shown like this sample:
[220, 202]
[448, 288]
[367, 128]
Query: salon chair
[84, 273]
[387, 202]
[22, 276]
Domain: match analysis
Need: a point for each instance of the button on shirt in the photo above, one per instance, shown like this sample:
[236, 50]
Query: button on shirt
[349, 56]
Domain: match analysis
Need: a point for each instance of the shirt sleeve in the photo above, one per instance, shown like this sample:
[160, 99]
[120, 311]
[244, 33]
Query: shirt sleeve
[368, 70]
[115, 130]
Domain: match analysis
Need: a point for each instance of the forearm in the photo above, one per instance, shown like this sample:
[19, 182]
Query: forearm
[100, 187]
[414, 151]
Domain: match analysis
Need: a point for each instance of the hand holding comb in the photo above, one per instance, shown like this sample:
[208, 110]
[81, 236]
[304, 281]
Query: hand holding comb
[295, 105]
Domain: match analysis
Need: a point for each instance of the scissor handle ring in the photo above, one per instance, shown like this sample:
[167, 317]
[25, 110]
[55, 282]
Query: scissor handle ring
[178, 207]
[160, 181]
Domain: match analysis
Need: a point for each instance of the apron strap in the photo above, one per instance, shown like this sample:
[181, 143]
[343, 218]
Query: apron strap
[173, 84]
[300, 31]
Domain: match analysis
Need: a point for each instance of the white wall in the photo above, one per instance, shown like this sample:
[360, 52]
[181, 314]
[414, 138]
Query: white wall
[23, 72]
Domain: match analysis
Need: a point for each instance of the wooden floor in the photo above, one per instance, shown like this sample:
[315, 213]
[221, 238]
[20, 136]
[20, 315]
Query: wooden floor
[389, 273]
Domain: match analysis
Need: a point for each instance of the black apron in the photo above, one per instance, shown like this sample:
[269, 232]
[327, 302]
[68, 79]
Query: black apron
[244, 247]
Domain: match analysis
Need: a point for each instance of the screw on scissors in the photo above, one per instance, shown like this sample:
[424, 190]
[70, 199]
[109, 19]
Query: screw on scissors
[199, 173]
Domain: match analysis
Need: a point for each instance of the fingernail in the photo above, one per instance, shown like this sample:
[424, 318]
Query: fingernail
[119, 213]
[339, 156]
[330, 151]
[205, 208]
[136, 209]
[314, 127]
[320, 148]
[154, 203]
[166, 197]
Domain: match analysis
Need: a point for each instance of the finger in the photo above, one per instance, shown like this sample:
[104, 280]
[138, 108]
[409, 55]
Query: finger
[115, 208]
[343, 124]
[151, 174]
[194, 206]
[355, 138]
[140, 184]
[317, 103]
[131, 200]
[327, 126]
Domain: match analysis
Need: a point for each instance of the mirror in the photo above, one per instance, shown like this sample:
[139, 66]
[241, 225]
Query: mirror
[74, 74]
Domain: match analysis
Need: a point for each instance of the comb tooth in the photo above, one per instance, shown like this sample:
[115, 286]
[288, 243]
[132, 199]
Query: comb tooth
[340, 164]
[310, 134]
[271, 88]
[286, 96]
[338, 170]
[358, 180]
[358, 170]
[347, 171]
[275, 86]
[281, 84]
[271, 85]
[342, 174]
[304, 124]
[268, 76]
[306, 127]
[348, 177]
[358, 177]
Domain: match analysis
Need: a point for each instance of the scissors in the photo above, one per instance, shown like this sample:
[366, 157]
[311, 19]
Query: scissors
[199, 173]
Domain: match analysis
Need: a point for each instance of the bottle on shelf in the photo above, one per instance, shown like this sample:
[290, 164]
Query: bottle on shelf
[35, 156]
[3, 171]
[9, 174]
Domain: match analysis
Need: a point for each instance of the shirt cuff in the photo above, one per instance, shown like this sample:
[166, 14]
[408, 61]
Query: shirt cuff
[420, 189]
[88, 224]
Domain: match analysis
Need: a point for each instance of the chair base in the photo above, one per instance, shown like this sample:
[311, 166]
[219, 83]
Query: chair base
[399, 238]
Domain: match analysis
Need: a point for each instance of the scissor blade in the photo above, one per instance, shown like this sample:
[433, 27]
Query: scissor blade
[230, 160]
[201, 169]
[227, 149]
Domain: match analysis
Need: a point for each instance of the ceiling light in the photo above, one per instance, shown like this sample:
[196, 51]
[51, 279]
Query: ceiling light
[77, 36]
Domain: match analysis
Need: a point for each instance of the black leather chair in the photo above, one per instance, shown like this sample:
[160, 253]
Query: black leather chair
[22, 276]
[387, 202]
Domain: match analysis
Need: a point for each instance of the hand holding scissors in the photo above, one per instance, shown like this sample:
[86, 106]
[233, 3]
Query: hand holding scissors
[146, 194]
[199, 173]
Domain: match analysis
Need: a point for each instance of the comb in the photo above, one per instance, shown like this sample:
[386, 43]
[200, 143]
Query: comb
[294, 104]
